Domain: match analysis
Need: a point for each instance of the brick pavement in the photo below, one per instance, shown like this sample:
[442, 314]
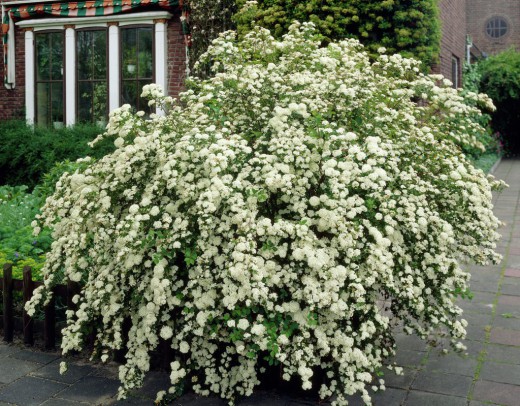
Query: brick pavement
[488, 375]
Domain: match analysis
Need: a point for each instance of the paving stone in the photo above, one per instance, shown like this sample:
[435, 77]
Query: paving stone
[7, 349]
[410, 359]
[497, 372]
[35, 356]
[505, 336]
[503, 353]
[133, 401]
[512, 272]
[484, 286]
[63, 402]
[477, 333]
[268, 398]
[510, 286]
[509, 300]
[91, 389]
[508, 320]
[29, 391]
[447, 384]
[388, 397]
[194, 400]
[501, 393]
[473, 348]
[392, 380]
[153, 383]
[451, 363]
[410, 342]
[11, 370]
[52, 371]
[417, 398]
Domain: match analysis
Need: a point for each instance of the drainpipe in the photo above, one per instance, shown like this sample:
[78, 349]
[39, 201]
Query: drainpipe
[469, 44]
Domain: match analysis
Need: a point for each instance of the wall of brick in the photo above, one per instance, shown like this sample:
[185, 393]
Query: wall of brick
[176, 57]
[12, 102]
[453, 41]
[480, 11]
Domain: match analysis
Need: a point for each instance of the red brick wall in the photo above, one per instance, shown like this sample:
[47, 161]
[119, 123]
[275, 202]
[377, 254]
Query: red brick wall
[453, 41]
[176, 57]
[479, 11]
[12, 102]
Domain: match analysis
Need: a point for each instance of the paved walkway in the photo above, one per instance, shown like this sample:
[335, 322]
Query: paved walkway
[490, 374]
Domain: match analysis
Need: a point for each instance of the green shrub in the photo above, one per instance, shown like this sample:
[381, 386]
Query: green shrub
[26, 153]
[408, 27]
[471, 87]
[18, 245]
[295, 208]
[500, 79]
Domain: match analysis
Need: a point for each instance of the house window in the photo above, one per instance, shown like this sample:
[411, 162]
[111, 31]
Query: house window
[81, 68]
[92, 94]
[49, 79]
[496, 27]
[137, 65]
[455, 71]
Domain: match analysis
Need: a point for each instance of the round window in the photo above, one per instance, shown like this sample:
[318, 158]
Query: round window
[496, 27]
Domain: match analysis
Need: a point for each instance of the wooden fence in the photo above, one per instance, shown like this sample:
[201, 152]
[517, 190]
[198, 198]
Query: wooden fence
[8, 286]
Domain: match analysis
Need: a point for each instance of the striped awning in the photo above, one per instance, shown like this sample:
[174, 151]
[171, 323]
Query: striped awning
[14, 13]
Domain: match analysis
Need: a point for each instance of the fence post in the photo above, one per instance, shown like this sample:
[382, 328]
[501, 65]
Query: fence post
[28, 333]
[72, 289]
[8, 303]
[49, 325]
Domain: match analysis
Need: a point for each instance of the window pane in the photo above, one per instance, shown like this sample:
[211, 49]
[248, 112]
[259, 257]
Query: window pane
[99, 101]
[43, 56]
[145, 58]
[129, 93]
[42, 103]
[56, 56]
[138, 65]
[100, 54]
[49, 78]
[84, 54]
[129, 49]
[57, 101]
[92, 75]
[85, 102]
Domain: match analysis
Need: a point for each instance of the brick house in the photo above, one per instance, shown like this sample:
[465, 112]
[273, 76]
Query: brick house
[72, 62]
[83, 59]
[453, 40]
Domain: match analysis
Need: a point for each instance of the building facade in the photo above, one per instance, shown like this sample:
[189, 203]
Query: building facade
[453, 40]
[73, 62]
[493, 26]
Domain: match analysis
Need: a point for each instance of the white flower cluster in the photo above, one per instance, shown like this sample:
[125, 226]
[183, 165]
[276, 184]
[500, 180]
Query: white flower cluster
[302, 202]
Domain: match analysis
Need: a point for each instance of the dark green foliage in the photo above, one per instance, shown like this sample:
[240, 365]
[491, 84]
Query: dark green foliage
[500, 79]
[26, 153]
[408, 27]
[18, 245]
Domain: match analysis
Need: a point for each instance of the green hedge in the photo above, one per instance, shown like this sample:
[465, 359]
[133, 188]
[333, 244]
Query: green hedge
[500, 79]
[27, 153]
[408, 27]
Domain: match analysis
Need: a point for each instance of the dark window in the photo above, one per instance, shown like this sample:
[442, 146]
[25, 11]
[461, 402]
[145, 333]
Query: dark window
[91, 63]
[136, 65]
[49, 79]
[496, 27]
[455, 71]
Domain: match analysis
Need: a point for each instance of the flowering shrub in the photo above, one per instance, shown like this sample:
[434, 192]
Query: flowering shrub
[297, 206]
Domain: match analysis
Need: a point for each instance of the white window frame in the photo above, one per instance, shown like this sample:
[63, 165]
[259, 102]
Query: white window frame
[113, 22]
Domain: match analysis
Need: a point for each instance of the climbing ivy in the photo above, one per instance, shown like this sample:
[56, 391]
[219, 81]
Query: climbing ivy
[408, 27]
